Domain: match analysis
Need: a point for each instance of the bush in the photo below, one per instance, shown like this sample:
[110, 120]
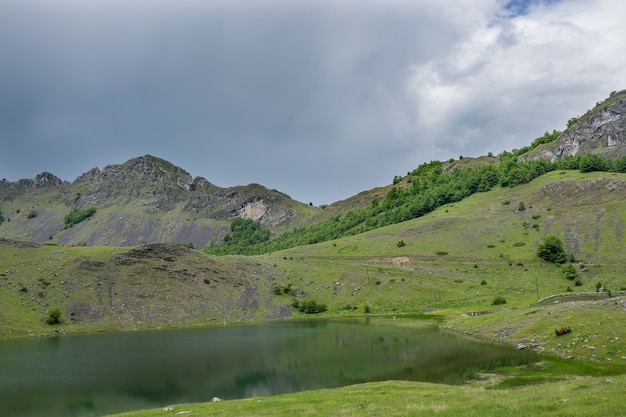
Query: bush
[560, 331]
[280, 290]
[31, 214]
[521, 206]
[366, 309]
[77, 215]
[400, 244]
[54, 316]
[498, 300]
[551, 249]
[569, 272]
[309, 306]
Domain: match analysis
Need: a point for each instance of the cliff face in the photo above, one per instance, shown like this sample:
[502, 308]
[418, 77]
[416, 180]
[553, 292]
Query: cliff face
[144, 200]
[601, 131]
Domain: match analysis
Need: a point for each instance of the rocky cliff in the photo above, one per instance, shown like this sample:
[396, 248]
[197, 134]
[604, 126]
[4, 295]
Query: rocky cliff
[600, 131]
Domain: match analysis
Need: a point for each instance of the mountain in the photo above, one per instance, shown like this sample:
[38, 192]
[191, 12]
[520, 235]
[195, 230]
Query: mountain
[600, 131]
[150, 200]
[144, 200]
[460, 256]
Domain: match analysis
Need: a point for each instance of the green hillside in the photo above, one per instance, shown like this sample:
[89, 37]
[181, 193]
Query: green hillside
[472, 262]
[456, 259]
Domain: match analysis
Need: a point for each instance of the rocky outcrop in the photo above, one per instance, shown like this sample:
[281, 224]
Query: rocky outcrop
[601, 131]
[146, 180]
[144, 200]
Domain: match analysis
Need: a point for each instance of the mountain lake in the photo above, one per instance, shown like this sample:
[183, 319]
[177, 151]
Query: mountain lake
[97, 374]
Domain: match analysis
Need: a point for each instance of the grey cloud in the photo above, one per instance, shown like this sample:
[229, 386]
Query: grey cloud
[320, 100]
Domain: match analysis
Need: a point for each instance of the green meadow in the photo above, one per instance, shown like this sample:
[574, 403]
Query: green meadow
[473, 265]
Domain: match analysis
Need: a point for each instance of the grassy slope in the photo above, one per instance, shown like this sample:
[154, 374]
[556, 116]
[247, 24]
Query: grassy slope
[581, 397]
[485, 238]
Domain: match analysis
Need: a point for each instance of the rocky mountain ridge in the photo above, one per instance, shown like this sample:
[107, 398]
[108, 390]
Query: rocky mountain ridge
[145, 199]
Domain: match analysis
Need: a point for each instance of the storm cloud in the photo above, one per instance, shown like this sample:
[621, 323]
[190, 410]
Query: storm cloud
[318, 99]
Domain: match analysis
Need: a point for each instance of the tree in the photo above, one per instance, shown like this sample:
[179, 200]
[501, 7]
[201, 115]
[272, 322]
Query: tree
[569, 272]
[551, 249]
[54, 316]
[590, 163]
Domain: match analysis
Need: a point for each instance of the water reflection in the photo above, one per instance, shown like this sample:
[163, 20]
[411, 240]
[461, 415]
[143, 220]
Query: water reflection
[92, 375]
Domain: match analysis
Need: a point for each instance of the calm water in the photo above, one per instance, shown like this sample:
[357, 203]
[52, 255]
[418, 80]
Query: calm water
[92, 375]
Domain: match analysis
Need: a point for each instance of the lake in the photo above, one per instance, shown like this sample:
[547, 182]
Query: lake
[92, 375]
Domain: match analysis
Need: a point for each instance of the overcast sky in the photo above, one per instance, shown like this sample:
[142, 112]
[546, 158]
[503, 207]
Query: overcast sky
[318, 99]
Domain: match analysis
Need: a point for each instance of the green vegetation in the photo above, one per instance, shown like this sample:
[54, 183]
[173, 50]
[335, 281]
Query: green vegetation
[569, 272]
[32, 213]
[483, 242]
[54, 316]
[246, 235]
[560, 331]
[309, 306]
[578, 397]
[423, 190]
[499, 300]
[551, 249]
[78, 215]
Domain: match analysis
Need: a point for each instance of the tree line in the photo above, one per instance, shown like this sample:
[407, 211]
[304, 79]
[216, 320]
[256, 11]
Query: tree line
[427, 188]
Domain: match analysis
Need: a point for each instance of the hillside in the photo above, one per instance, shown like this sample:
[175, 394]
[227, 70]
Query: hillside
[107, 288]
[144, 200]
[150, 200]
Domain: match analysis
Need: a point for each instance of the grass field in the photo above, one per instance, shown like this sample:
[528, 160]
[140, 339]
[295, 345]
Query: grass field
[453, 263]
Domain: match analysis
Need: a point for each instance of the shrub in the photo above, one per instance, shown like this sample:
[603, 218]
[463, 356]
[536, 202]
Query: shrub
[54, 316]
[521, 206]
[366, 309]
[400, 244]
[560, 331]
[279, 289]
[310, 306]
[31, 214]
[551, 249]
[78, 215]
[498, 300]
[442, 253]
[569, 272]
[187, 245]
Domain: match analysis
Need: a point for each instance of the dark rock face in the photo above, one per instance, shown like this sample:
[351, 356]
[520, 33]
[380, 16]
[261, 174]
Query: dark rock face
[601, 131]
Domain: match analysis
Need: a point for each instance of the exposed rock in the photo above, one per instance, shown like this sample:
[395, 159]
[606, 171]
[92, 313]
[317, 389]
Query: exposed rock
[143, 200]
[600, 131]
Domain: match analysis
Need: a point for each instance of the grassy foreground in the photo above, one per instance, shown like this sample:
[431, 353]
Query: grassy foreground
[589, 396]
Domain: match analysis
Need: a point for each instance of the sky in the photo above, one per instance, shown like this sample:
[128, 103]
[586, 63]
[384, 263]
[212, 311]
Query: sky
[319, 99]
